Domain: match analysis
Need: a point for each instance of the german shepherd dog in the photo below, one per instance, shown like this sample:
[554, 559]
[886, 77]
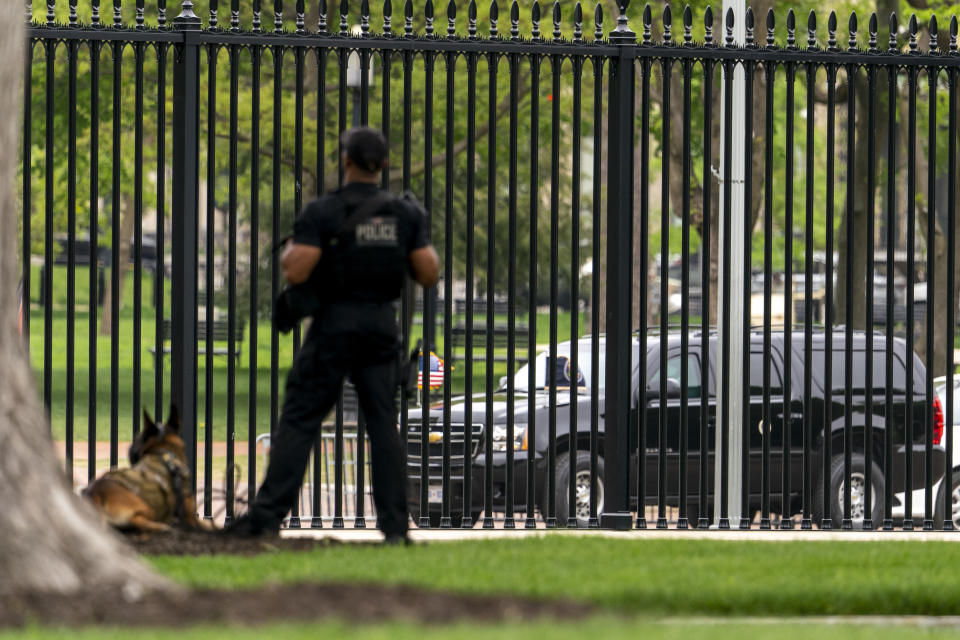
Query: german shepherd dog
[156, 489]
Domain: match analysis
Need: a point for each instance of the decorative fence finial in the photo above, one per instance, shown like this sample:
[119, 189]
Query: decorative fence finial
[771, 25]
[451, 19]
[872, 28]
[51, 13]
[301, 22]
[832, 32]
[812, 31]
[388, 18]
[852, 28]
[472, 20]
[117, 14]
[235, 16]
[494, 19]
[73, 13]
[535, 19]
[186, 20]
[953, 35]
[257, 15]
[730, 22]
[687, 26]
[914, 46]
[344, 23]
[893, 45]
[578, 22]
[748, 23]
[139, 13]
[428, 14]
[667, 25]
[514, 21]
[408, 19]
[214, 10]
[365, 18]
[934, 45]
[622, 33]
[647, 24]
[557, 35]
[598, 22]
[708, 26]
[278, 16]
[162, 14]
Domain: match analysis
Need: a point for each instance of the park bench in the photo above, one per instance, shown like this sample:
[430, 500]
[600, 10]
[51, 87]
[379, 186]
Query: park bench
[498, 340]
[220, 332]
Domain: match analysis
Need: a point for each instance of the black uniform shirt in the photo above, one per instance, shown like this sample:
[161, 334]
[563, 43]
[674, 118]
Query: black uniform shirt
[321, 220]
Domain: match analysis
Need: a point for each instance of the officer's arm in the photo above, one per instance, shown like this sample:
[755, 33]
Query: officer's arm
[425, 265]
[298, 261]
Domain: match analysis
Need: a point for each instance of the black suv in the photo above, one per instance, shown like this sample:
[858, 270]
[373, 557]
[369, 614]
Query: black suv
[754, 431]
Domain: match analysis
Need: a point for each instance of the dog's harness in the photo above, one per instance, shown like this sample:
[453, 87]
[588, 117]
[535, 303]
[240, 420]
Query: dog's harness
[158, 479]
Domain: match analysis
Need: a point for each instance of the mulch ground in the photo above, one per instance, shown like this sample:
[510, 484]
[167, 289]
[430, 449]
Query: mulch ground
[271, 603]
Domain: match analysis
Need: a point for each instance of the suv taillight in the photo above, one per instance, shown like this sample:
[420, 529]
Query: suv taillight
[937, 421]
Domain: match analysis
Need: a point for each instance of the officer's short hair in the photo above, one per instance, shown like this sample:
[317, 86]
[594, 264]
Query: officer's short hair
[366, 147]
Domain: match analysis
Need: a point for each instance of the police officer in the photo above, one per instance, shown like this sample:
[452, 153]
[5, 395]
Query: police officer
[354, 247]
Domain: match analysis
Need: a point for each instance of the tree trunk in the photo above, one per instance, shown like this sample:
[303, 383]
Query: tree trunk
[127, 219]
[52, 540]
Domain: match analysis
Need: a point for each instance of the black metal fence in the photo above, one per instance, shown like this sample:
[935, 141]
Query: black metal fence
[573, 172]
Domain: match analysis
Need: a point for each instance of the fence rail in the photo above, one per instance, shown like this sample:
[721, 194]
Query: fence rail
[570, 168]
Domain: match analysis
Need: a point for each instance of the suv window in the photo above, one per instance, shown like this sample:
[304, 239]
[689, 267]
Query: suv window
[859, 377]
[673, 371]
[756, 375]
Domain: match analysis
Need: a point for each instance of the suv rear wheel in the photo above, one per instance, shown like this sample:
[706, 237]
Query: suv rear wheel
[581, 509]
[858, 480]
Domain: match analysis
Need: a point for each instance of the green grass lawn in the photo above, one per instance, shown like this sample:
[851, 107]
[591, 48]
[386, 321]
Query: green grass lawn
[657, 588]
[655, 577]
[220, 398]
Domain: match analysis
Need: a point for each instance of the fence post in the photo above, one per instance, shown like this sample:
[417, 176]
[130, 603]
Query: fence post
[186, 151]
[616, 509]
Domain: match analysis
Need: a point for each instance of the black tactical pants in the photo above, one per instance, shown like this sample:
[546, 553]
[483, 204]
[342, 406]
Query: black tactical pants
[344, 341]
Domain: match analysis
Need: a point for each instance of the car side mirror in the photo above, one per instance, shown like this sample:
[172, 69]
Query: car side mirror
[673, 388]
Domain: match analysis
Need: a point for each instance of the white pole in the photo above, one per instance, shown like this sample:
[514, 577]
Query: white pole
[733, 368]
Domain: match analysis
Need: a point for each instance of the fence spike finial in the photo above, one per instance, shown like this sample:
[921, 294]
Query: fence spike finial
[812, 31]
[934, 34]
[278, 16]
[708, 25]
[578, 22]
[388, 18]
[514, 21]
[557, 35]
[914, 45]
[472, 20]
[301, 24]
[235, 16]
[647, 24]
[451, 19]
[494, 18]
[365, 18]
[687, 26]
[749, 24]
[892, 44]
[408, 19]
[730, 22]
[73, 13]
[428, 14]
[872, 28]
[162, 14]
[953, 35]
[791, 30]
[321, 16]
[344, 23]
[214, 10]
[51, 13]
[667, 25]
[832, 32]
[598, 22]
[139, 14]
[771, 25]
[535, 19]
[117, 15]
[852, 28]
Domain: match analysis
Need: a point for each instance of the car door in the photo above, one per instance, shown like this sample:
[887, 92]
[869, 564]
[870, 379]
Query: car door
[763, 427]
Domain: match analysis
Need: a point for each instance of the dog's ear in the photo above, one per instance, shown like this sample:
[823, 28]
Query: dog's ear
[173, 419]
[148, 423]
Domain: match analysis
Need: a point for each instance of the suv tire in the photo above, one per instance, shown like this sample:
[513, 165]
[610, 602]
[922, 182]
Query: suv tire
[954, 500]
[858, 476]
[581, 509]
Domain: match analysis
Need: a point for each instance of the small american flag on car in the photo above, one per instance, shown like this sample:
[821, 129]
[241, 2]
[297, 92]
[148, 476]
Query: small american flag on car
[436, 371]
